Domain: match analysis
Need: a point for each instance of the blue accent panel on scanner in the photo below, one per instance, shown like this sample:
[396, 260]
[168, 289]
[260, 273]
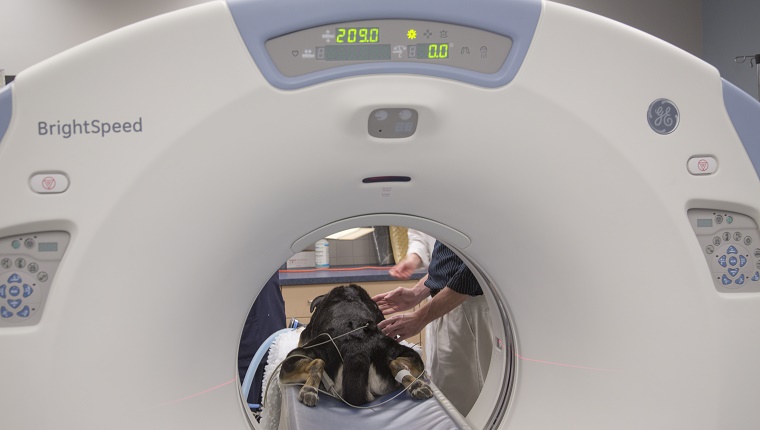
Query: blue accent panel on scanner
[744, 112]
[6, 109]
[261, 20]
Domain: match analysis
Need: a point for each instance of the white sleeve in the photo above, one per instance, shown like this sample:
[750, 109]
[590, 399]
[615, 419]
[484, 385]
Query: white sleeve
[420, 244]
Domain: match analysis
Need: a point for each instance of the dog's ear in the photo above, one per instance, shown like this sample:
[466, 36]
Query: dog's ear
[314, 303]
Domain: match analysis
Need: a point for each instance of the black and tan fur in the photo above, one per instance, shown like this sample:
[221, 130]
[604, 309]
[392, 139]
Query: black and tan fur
[368, 360]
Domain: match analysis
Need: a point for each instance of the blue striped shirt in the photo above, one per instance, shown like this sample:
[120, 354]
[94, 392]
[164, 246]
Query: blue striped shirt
[448, 270]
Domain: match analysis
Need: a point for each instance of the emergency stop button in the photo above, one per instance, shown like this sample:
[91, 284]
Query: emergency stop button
[49, 183]
[702, 165]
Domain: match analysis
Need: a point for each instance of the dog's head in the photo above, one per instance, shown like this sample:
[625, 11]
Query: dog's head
[347, 300]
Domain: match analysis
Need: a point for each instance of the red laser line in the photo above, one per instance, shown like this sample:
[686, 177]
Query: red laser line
[199, 394]
[554, 363]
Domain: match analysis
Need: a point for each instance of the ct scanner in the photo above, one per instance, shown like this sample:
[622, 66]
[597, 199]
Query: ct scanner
[602, 183]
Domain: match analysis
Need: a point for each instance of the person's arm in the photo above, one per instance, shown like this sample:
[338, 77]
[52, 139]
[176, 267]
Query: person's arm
[402, 299]
[404, 326]
[407, 266]
[421, 245]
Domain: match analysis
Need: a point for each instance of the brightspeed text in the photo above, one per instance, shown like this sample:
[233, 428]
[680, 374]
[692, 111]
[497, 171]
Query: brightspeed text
[95, 126]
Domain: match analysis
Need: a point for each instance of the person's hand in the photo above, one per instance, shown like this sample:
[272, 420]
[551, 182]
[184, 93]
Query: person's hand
[400, 327]
[399, 300]
[407, 266]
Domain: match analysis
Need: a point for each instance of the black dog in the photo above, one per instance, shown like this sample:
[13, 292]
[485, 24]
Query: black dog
[356, 355]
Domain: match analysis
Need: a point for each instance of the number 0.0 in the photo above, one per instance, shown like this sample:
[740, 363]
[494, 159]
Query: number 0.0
[438, 50]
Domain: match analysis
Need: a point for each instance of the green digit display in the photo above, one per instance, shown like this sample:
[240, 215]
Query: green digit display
[432, 51]
[357, 35]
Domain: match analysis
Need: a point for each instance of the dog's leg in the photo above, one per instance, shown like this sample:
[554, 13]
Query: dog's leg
[418, 389]
[307, 371]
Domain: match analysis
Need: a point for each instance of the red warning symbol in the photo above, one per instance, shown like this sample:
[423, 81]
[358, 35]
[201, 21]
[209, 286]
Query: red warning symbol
[48, 183]
[703, 165]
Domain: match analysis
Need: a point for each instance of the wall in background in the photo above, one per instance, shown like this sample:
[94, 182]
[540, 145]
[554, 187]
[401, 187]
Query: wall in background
[33, 30]
[678, 22]
[730, 29]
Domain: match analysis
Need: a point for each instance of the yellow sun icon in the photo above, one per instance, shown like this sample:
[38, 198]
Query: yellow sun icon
[411, 34]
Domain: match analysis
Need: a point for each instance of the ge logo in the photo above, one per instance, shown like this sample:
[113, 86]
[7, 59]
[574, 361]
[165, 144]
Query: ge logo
[663, 116]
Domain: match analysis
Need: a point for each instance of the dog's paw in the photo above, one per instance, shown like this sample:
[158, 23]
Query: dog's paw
[420, 390]
[309, 396]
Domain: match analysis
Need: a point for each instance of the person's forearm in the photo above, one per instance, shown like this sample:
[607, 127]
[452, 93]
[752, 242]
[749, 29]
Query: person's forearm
[441, 304]
[420, 290]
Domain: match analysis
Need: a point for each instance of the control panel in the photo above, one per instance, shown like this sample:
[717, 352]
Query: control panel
[28, 263]
[389, 41]
[731, 244]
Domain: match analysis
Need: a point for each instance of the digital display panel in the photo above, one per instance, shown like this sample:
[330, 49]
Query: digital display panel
[355, 52]
[704, 222]
[388, 41]
[47, 247]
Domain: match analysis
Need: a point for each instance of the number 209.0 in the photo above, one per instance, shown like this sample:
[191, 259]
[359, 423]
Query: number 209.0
[357, 35]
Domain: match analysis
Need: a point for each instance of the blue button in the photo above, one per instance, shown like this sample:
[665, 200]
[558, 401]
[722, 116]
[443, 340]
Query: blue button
[722, 261]
[27, 291]
[16, 303]
[756, 277]
[2, 291]
[733, 261]
[732, 250]
[5, 313]
[742, 260]
[14, 291]
[733, 272]
[23, 313]
[725, 280]
[14, 279]
[740, 280]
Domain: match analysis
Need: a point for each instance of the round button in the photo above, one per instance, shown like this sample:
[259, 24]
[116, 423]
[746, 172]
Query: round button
[16, 244]
[737, 236]
[14, 291]
[719, 219]
[20, 263]
[6, 263]
[29, 243]
[43, 276]
[709, 249]
[726, 236]
[729, 219]
[717, 242]
[33, 268]
[747, 240]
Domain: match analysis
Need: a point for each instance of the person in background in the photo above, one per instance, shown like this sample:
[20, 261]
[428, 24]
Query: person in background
[459, 334]
[267, 315]
[417, 255]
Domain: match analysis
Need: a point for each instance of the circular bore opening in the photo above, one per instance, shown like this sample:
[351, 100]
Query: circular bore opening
[365, 260]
